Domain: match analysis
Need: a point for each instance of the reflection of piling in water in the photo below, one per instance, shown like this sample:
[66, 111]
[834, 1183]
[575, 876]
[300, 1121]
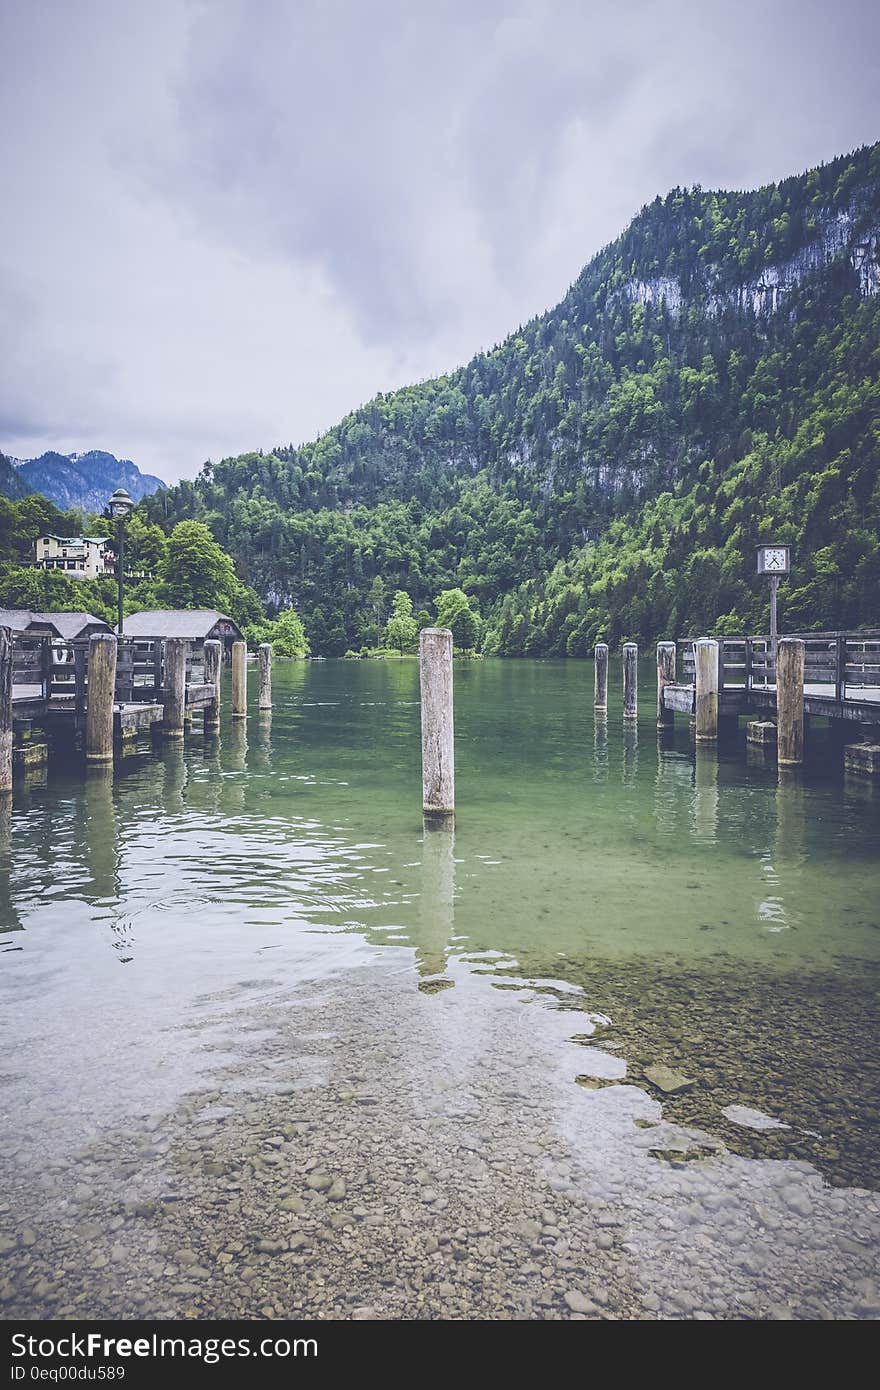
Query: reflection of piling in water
[791, 817]
[437, 906]
[264, 738]
[630, 680]
[9, 918]
[630, 752]
[100, 834]
[600, 679]
[600, 746]
[704, 813]
[174, 776]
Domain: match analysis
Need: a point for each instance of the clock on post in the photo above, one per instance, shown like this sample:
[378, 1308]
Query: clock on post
[774, 561]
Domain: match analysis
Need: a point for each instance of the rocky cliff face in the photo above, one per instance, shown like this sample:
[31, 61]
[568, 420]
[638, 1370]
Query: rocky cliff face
[82, 480]
[840, 237]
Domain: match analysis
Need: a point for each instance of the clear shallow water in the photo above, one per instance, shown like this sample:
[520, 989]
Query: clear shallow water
[689, 908]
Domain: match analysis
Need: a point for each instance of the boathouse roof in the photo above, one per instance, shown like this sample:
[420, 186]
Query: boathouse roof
[194, 624]
[66, 625]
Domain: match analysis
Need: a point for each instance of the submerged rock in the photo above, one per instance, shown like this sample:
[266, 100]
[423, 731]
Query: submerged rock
[667, 1080]
[752, 1119]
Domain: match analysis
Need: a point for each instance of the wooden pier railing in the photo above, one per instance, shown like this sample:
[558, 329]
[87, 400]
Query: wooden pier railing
[845, 665]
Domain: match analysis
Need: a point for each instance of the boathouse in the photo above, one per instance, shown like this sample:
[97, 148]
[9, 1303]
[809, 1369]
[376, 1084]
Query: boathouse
[195, 625]
[70, 627]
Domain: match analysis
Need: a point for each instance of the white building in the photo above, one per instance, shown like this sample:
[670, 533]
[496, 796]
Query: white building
[81, 557]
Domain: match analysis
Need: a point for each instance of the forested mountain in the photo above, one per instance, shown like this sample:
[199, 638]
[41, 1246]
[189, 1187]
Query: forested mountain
[80, 480]
[11, 484]
[711, 379]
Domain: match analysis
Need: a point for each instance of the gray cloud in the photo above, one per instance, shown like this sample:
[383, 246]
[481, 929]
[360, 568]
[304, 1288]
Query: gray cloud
[228, 223]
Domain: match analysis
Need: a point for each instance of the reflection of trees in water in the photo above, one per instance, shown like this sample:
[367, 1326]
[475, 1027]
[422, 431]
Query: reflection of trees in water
[437, 904]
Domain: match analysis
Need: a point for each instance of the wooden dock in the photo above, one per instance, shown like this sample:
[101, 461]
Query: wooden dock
[828, 675]
[144, 683]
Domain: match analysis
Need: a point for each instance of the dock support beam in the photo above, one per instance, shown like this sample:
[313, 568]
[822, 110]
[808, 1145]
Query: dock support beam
[175, 687]
[665, 676]
[790, 702]
[212, 655]
[600, 685]
[5, 710]
[100, 693]
[239, 680]
[706, 689]
[265, 653]
[630, 680]
[438, 733]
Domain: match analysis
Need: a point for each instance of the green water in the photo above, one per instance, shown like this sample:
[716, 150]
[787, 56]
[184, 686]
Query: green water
[701, 909]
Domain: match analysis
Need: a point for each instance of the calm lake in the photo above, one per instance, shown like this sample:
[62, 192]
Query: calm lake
[610, 902]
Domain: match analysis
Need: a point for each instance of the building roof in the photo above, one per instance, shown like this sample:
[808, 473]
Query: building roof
[73, 540]
[194, 624]
[70, 625]
[20, 619]
[66, 625]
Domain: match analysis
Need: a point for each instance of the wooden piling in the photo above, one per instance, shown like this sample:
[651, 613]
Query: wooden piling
[5, 709]
[438, 734]
[265, 654]
[665, 676]
[100, 695]
[600, 687]
[790, 657]
[239, 680]
[174, 711]
[630, 680]
[706, 689]
[212, 658]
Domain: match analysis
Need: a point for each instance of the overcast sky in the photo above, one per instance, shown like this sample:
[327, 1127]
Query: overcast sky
[225, 223]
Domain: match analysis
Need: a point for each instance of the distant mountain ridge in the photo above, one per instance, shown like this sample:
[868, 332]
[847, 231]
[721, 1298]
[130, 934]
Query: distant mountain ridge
[77, 480]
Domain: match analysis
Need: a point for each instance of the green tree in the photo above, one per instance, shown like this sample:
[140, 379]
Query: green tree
[401, 630]
[454, 611]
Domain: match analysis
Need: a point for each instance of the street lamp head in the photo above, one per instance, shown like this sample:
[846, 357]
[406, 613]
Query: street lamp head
[120, 505]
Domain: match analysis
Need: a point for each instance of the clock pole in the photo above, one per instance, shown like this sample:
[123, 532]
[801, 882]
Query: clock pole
[774, 585]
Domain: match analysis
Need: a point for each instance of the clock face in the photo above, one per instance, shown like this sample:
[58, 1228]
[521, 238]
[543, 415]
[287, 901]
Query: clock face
[775, 560]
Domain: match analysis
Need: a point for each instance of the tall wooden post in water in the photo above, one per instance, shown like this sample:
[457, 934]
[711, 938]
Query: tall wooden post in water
[99, 697]
[5, 709]
[600, 685]
[239, 680]
[665, 676]
[790, 702]
[265, 653]
[630, 680]
[706, 689]
[174, 712]
[212, 653]
[438, 734]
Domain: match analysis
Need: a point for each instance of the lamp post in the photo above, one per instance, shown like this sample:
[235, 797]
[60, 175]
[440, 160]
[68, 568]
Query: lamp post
[774, 561]
[119, 508]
